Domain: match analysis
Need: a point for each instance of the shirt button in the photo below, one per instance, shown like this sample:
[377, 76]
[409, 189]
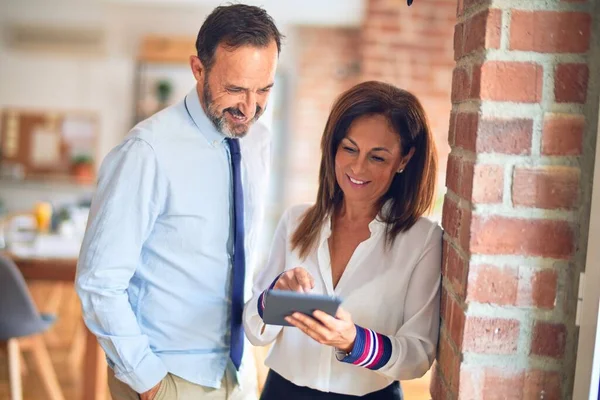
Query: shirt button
[215, 142]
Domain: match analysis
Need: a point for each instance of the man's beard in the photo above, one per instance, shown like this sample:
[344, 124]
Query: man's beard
[220, 122]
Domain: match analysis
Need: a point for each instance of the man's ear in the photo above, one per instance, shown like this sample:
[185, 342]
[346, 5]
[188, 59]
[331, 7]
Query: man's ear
[197, 68]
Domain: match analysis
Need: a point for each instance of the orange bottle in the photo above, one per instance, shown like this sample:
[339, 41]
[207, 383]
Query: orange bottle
[43, 216]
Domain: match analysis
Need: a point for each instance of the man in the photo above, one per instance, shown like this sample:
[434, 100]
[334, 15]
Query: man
[161, 270]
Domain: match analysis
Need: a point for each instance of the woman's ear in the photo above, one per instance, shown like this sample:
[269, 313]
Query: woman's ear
[405, 160]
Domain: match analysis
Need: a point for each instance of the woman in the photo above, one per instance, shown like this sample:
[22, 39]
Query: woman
[366, 241]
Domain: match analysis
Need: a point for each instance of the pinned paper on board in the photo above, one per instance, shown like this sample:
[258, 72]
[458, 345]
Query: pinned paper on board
[10, 138]
[45, 148]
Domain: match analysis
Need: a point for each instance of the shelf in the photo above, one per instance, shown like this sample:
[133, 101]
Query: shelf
[40, 182]
[167, 49]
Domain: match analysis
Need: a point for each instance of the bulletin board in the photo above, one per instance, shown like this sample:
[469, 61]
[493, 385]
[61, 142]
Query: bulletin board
[46, 144]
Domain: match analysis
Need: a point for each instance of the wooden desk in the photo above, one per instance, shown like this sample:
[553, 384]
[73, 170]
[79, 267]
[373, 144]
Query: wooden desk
[63, 270]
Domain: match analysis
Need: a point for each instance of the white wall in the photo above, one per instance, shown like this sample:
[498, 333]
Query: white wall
[104, 83]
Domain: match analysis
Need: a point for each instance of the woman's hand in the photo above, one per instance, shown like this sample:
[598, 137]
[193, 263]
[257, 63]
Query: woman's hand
[339, 332]
[295, 280]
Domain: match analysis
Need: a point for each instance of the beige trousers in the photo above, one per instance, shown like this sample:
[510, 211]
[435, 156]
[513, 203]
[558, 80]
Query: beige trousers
[173, 387]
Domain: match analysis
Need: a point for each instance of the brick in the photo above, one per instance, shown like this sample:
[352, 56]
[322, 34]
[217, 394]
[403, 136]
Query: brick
[454, 319]
[449, 363]
[482, 31]
[467, 4]
[537, 289]
[542, 384]
[456, 221]
[435, 28]
[465, 131]
[554, 187]
[451, 217]
[516, 236]
[382, 8]
[491, 284]
[437, 387]
[453, 174]
[458, 41]
[470, 383]
[488, 184]
[319, 83]
[549, 339]
[502, 384]
[459, 7]
[491, 335]
[511, 81]
[389, 26]
[451, 268]
[543, 288]
[475, 92]
[454, 268]
[464, 238]
[571, 83]
[443, 302]
[506, 136]
[459, 176]
[452, 129]
[493, 135]
[563, 135]
[461, 85]
[550, 31]
[491, 383]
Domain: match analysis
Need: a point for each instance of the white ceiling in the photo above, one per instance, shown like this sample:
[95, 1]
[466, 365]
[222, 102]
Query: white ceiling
[320, 12]
[285, 12]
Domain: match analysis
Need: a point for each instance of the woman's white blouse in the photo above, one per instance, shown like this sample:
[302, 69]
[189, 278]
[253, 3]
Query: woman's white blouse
[392, 291]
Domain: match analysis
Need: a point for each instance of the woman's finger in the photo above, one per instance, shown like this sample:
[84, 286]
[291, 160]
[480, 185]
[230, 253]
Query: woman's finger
[306, 329]
[282, 284]
[313, 325]
[343, 315]
[330, 322]
[297, 284]
[304, 278]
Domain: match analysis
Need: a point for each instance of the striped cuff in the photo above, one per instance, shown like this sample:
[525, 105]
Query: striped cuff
[263, 296]
[371, 349]
[261, 303]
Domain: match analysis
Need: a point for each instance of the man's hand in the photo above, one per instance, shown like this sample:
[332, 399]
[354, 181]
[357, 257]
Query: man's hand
[339, 332]
[295, 280]
[150, 394]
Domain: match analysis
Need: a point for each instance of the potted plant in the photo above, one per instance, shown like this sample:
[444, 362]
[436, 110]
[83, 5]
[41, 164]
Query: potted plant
[164, 88]
[83, 168]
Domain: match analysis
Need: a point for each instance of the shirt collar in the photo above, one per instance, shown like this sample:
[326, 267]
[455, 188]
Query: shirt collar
[375, 226]
[204, 124]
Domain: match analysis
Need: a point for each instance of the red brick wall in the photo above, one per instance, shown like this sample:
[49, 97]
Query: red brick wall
[514, 214]
[408, 47]
[411, 47]
[327, 61]
[506, 86]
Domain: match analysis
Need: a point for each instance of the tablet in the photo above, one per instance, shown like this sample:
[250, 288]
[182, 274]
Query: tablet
[282, 303]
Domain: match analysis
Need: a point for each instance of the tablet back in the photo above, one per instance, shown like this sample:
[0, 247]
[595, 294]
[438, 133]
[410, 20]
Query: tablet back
[282, 303]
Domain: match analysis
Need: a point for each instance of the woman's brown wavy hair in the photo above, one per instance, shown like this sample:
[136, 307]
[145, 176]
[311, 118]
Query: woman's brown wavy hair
[411, 193]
